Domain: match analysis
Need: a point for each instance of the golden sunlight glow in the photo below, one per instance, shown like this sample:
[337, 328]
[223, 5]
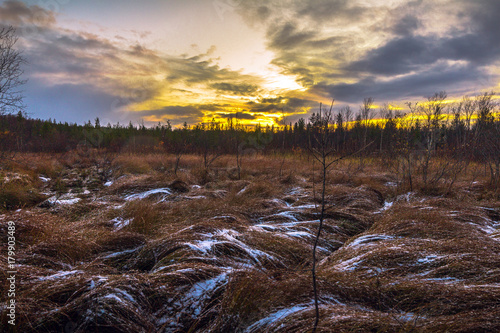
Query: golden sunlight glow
[276, 81]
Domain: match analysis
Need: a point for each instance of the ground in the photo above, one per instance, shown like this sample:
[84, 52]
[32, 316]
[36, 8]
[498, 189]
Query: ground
[122, 244]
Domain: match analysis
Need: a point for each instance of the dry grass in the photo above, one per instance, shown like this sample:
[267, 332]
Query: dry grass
[217, 254]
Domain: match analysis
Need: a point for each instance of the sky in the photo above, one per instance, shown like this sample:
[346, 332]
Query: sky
[262, 61]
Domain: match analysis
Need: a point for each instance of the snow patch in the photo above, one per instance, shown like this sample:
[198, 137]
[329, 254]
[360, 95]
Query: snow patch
[139, 196]
[350, 264]
[387, 205]
[116, 254]
[66, 199]
[223, 236]
[120, 223]
[299, 234]
[275, 317]
[60, 275]
[364, 240]
[428, 259]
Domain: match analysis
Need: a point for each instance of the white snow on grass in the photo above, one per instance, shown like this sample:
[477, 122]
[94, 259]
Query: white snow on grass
[242, 191]
[286, 214]
[121, 296]
[350, 264]
[275, 317]
[116, 254]
[60, 275]
[203, 245]
[108, 183]
[120, 223]
[299, 234]
[143, 195]
[428, 259]
[367, 239]
[66, 199]
[194, 197]
[227, 236]
[447, 279]
[201, 291]
[304, 207]
[99, 280]
[387, 205]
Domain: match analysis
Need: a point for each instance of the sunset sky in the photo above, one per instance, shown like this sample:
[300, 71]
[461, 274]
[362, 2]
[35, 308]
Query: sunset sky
[194, 60]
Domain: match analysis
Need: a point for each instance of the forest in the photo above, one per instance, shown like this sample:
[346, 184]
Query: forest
[465, 130]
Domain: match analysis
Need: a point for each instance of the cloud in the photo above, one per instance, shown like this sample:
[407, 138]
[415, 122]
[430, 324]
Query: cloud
[17, 13]
[240, 116]
[240, 89]
[127, 75]
[399, 49]
[281, 105]
[176, 114]
[344, 10]
[333, 48]
[418, 85]
[176, 111]
[405, 26]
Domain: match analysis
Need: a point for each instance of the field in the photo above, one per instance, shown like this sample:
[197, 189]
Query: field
[120, 243]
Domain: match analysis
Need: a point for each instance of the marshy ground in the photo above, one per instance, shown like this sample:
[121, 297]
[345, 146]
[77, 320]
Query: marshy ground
[123, 244]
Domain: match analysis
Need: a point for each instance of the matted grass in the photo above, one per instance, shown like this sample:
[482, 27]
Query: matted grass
[144, 249]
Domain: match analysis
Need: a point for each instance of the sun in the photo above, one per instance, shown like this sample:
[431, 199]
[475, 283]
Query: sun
[279, 82]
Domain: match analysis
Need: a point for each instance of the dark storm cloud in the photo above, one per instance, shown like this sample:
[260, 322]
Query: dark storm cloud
[194, 70]
[411, 53]
[240, 89]
[412, 86]
[315, 41]
[406, 25]
[281, 104]
[398, 56]
[213, 107]
[240, 116]
[264, 108]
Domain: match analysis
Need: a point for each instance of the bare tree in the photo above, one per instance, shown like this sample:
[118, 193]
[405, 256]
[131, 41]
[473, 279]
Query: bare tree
[11, 98]
[346, 114]
[385, 114]
[433, 111]
[366, 115]
[322, 149]
[468, 109]
[487, 136]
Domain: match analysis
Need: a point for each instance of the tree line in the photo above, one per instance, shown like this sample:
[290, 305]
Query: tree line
[468, 129]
